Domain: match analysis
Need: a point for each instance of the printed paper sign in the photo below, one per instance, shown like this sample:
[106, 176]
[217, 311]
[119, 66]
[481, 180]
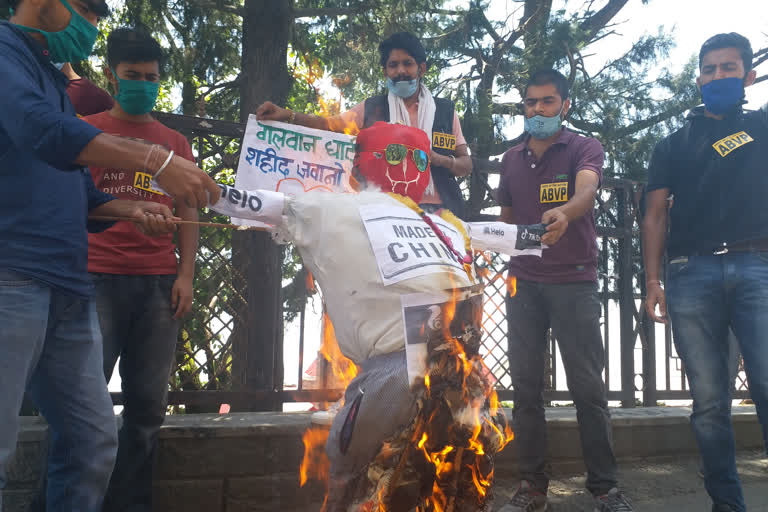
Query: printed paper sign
[292, 159]
[509, 239]
[405, 246]
[424, 317]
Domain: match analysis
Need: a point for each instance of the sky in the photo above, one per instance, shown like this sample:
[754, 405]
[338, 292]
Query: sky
[690, 22]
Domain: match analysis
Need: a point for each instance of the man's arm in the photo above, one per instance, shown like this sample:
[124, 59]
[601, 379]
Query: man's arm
[182, 179]
[460, 165]
[583, 200]
[37, 125]
[189, 234]
[654, 233]
[150, 218]
[268, 111]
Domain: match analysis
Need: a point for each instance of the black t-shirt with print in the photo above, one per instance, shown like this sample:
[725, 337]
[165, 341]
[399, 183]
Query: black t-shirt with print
[717, 171]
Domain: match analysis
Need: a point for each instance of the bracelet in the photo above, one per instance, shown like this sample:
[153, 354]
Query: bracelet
[165, 164]
[653, 281]
[453, 161]
[293, 116]
[151, 151]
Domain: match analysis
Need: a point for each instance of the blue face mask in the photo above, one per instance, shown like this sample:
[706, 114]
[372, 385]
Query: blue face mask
[403, 88]
[541, 127]
[721, 96]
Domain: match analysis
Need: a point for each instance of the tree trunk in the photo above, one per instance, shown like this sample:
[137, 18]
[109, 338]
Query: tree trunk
[258, 331]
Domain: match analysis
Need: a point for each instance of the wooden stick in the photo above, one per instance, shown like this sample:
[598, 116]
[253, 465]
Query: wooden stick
[202, 224]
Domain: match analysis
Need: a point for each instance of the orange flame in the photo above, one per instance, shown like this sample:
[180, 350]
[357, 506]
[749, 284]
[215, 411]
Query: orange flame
[494, 399]
[327, 108]
[309, 282]
[342, 367]
[315, 464]
[511, 285]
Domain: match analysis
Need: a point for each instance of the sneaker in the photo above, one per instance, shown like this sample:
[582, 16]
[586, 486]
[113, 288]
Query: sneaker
[722, 508]
[613, 501]
[526, 499]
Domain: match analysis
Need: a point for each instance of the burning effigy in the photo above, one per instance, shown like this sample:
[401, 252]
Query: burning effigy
[420, 424]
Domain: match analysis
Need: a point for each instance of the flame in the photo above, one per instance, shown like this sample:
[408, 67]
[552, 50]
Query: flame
[315, 464]
[309, 282]
[342, 367]
[494, 399]
[511, 285]
[311, 72]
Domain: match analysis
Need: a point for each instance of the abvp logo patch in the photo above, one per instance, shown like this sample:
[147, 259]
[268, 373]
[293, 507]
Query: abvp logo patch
[727, 144]
[443, 141]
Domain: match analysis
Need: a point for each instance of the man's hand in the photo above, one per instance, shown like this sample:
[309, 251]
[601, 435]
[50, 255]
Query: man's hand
[152, 219]
[268, 111]
[655, 295]
[557, 223]
[185, 182]
[181, 296]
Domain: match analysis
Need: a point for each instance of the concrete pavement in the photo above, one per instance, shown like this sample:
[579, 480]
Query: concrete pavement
[655, 485]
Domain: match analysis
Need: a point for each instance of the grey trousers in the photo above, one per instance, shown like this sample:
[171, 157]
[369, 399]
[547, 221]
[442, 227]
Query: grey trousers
[386, 406]
[572, 311]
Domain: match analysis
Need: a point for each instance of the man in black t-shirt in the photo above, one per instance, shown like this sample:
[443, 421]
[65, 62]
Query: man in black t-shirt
[715, 168]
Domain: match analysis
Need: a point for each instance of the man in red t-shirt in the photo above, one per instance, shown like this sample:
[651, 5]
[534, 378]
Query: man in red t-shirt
[141, 290]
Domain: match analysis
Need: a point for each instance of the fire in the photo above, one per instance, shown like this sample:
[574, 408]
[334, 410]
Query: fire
[311, 71]
[309, 282]
[315, 464]
[511, 285]
[494, 400]
[342, 367]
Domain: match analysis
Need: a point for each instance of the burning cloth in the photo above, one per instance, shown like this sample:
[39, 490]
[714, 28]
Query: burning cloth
[419, 426]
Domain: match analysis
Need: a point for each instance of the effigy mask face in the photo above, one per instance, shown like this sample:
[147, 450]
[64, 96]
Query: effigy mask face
[395, 158]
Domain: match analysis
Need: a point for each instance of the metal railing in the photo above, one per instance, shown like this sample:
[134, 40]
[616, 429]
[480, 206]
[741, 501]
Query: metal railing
[645, 370]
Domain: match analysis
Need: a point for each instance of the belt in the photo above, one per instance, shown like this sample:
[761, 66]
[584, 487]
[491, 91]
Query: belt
[760, 245]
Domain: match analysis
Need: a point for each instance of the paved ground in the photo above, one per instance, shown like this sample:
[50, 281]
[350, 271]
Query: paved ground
[658, 486]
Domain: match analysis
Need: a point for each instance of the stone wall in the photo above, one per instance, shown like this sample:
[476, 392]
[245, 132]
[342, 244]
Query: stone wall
[249, 462]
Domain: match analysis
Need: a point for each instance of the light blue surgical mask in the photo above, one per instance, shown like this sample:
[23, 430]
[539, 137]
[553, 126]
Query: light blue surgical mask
[59, 65]
[541, 127]
[403, 88]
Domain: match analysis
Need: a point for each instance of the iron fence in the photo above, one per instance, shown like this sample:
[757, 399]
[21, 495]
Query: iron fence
[641, 366]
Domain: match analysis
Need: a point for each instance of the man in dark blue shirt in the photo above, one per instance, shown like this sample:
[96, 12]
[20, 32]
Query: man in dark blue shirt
[49, 336]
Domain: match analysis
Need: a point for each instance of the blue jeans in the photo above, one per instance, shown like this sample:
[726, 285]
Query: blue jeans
[50, 342]
[137, 323]
[706, 295]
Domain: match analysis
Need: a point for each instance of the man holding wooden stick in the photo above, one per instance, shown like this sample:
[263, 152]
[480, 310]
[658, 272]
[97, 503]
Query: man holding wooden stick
[49, 337]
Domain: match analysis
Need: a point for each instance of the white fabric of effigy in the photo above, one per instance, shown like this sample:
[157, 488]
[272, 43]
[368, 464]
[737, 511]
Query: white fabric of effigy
[367, 250]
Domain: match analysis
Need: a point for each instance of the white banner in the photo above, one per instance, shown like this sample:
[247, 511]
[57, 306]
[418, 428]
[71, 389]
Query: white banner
[405, 246]
[292, 159]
